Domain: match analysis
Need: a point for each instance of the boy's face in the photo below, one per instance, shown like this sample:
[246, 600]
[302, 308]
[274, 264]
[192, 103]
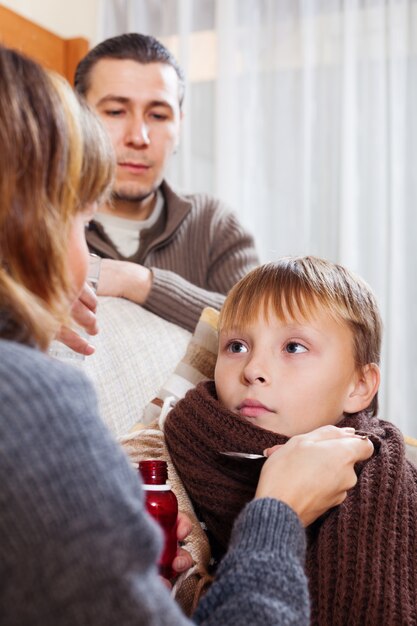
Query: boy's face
[288, 376]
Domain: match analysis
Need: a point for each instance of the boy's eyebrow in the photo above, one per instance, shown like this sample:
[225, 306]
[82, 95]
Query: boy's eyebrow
[291, 326]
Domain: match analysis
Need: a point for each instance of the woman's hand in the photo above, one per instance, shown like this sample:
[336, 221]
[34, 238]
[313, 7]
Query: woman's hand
[84, 314]
[312, 472]
[183, 561]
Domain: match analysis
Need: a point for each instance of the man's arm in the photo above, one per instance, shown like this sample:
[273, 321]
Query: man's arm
[162, 292]
[209, 254]
[178, 300]
[222, 251]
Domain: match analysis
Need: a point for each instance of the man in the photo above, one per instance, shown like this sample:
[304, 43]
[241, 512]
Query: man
[172, 254]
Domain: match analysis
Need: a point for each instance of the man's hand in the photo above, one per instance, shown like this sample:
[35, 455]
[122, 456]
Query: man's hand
[123, 279]
[84, 314]
[312, 472]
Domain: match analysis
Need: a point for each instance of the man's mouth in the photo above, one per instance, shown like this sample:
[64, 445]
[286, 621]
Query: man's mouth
[252, 408]
[134, 167]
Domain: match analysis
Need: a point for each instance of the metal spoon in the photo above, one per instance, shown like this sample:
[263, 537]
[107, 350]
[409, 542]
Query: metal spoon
[243, 455]
[248, 455]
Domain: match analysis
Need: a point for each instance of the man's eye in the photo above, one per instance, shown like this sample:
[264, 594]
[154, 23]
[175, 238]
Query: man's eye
[293, 347]
[160, 117]
[236, 347]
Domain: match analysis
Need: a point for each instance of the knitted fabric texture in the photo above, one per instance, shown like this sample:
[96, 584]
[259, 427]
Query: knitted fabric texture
[361, 556]
[196, 430]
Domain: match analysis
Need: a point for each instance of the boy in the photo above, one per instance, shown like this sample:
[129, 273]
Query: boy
[299, 347]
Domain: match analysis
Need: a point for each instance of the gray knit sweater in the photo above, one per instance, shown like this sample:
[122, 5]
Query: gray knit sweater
[197, 251]
[76, 547]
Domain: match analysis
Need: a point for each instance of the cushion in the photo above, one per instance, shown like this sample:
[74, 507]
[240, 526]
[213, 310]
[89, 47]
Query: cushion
[135, 353]
[196, 365]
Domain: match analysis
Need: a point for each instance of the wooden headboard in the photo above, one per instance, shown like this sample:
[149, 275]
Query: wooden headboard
[50, 50]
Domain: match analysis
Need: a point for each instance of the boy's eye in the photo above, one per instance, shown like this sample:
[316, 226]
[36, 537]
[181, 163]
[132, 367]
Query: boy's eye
[236, 347]
[113, 112]
[293, 347]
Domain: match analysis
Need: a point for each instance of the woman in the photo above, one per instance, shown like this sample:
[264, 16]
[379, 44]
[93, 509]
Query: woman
[76, 546]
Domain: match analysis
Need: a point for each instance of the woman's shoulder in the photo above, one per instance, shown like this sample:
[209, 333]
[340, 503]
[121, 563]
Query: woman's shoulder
[49, 413]
[24, 368]
[37, 389]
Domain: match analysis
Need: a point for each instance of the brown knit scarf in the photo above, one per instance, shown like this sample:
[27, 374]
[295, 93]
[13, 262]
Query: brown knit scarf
[362, 555]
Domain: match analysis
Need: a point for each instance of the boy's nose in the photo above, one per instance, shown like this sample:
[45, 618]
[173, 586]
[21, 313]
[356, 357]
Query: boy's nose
[255, 373]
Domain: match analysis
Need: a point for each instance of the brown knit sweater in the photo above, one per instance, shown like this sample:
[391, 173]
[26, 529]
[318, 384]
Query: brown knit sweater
[362, 555]
[197, 251]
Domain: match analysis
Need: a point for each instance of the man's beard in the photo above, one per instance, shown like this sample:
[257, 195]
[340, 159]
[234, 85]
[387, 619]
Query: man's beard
[130, 197]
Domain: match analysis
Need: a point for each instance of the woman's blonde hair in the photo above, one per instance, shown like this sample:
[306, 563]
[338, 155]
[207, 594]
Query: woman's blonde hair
[296, 287]
[55, 160]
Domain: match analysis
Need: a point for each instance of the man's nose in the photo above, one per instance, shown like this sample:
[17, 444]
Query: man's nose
[138, 133]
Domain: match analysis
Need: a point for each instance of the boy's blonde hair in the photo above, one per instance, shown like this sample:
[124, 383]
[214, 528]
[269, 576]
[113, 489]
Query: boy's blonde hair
[295, 287]
[55, 159]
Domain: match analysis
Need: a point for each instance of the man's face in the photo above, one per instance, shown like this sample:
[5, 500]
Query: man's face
[139, 106]
[288, 377]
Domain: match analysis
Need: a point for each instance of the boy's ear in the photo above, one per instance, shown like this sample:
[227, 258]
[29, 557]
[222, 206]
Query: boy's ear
[364, 390]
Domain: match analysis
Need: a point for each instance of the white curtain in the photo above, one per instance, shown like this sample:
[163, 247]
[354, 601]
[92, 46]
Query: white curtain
[302, 114]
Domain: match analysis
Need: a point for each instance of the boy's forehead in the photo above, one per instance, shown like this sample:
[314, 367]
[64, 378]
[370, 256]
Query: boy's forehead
[319, 326]
[286, 311]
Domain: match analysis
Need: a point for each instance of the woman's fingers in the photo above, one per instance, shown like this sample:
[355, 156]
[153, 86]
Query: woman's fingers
[319, 434]
[313, 472]
[183, 561]
[84, 310]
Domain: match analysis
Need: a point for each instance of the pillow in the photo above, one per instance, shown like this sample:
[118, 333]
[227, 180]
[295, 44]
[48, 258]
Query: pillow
[196, 365]
[136, 351]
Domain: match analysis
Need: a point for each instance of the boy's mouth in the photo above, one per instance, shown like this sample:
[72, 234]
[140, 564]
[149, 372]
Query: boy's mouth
[252, 408]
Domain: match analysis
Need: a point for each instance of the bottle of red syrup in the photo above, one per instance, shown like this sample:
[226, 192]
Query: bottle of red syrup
[162, 504]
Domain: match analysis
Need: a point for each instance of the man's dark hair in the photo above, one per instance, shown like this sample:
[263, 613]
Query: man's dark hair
[134, 46]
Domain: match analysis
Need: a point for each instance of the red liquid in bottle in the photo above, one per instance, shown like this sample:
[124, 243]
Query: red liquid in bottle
[162, 504]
